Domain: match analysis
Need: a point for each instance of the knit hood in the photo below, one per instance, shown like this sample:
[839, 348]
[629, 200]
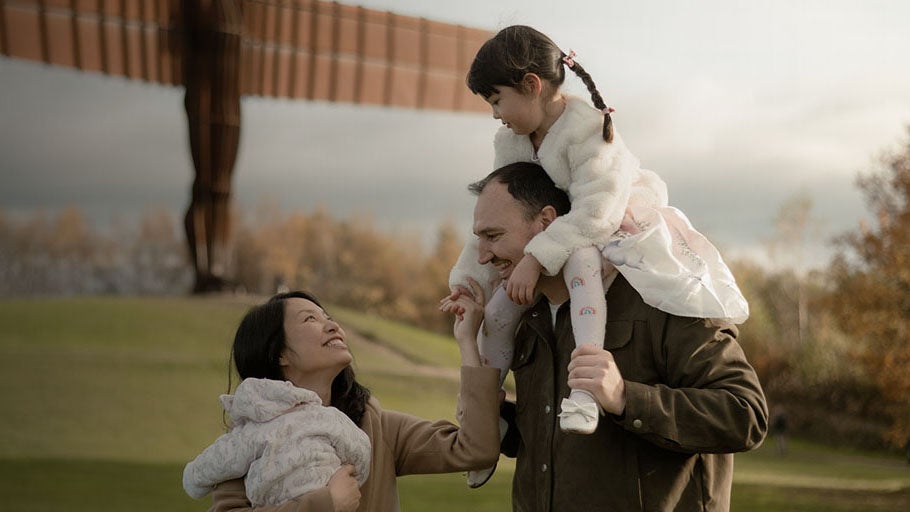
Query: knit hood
[261, 400]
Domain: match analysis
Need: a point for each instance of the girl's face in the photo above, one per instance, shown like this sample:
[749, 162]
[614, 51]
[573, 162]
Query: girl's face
[521, 112]
[314, 343]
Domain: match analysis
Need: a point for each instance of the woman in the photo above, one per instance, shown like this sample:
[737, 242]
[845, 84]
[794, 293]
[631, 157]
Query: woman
[292, 338]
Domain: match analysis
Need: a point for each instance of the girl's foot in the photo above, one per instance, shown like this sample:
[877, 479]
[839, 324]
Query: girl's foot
[579, 413]
[478, 477]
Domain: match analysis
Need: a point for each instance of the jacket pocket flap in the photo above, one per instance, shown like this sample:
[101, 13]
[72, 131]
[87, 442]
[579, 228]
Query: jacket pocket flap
[619, 333]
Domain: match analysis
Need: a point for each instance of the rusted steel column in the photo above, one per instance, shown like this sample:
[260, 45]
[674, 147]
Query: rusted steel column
[211, 75]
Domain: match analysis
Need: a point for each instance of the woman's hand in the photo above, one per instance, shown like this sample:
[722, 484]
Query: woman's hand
[470, 305]
[449, 303]
[523, 280]
[468, 310]
[344, 489]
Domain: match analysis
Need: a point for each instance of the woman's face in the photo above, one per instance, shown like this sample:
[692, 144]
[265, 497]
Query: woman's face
[315, 346]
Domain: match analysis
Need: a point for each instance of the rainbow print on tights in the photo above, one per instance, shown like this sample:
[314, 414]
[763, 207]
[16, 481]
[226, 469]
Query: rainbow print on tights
[576, 282]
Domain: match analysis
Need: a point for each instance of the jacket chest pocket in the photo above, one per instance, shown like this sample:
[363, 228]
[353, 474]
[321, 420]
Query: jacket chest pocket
[618, 334]
[635, 360]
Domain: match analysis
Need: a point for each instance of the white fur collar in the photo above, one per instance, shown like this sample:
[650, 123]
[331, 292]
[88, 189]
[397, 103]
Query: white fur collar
[580, 123]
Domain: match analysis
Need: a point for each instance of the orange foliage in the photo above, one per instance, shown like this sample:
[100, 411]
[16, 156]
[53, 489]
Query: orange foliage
[348, 262]
[871, 296]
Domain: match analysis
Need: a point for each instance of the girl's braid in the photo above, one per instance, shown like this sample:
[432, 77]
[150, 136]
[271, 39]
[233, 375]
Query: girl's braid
[596, 98]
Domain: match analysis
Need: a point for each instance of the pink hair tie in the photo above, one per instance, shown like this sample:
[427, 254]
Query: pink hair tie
[570, 59]
[608, 110]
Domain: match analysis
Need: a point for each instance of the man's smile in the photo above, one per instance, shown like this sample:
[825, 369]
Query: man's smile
[504, 267]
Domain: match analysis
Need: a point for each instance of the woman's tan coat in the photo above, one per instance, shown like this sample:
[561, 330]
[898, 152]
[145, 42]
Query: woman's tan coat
[403, 445]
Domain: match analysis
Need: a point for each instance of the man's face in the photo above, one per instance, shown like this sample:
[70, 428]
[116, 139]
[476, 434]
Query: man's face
[502, 228]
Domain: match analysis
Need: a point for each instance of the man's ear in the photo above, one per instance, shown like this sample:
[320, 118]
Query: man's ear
[548, 215]
[531, 84]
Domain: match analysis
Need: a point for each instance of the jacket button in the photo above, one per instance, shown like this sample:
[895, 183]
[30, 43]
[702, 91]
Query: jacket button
[535, 314]
[543, 468]
[637, 423]
[546, 409]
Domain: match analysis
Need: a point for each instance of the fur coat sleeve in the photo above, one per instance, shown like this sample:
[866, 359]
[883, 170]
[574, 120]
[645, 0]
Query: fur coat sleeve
[598, 177]
[227, 458]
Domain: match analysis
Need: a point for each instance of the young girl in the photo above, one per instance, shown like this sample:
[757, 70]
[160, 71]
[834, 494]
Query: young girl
[619, 219]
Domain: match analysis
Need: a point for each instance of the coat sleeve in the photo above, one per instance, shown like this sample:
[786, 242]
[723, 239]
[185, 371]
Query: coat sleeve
[228, 457]
[231, 496]
[599, 189]
[421, 447]
[712, 402]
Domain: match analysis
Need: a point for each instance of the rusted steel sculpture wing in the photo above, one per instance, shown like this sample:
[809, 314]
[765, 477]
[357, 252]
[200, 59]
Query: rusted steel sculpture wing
[335, 52]
[220, 50]
[132, 38]
[295, 48]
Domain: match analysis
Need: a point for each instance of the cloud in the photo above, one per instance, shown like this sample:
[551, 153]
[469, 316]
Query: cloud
[737, 105]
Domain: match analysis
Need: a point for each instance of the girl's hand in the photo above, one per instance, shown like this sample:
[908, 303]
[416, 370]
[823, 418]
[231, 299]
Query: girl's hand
[344, 489]
[468, 322]
[523, 280]
[448, 303]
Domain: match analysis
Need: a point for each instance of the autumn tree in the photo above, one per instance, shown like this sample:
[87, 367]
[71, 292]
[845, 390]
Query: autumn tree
[794, 229]
[43, 255]
[871, 293]
[435, 277]
[156, 255]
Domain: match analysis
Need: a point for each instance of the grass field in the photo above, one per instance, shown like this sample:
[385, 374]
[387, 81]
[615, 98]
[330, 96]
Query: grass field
[105, 399]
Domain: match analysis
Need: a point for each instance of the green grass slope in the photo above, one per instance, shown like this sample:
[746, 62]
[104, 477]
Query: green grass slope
[105, 399]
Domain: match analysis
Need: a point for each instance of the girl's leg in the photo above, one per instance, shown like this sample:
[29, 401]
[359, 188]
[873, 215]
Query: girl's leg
[583, 273]
[496, 342]
[496, 339]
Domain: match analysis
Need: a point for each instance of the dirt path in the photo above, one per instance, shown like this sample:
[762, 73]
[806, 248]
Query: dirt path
[401, 364]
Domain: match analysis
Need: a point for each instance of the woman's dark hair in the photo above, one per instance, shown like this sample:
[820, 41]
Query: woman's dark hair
[514, 52]
[258, 345]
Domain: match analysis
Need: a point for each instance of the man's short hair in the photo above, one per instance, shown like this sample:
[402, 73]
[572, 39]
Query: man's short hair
[530, 185]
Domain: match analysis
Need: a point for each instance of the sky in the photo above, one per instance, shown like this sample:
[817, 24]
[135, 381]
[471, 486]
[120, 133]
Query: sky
[738, 105]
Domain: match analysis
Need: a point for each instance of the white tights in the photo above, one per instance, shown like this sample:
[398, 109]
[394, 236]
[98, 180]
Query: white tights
[583, 274]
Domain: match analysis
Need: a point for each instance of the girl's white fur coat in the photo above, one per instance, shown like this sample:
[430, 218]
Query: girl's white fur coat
[600, 179]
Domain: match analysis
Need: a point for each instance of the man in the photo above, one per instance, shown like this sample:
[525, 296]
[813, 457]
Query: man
[678, 395]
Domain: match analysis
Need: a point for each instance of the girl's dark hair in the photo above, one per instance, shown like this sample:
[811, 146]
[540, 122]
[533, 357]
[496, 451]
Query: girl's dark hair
[258, 345]
[518, 50]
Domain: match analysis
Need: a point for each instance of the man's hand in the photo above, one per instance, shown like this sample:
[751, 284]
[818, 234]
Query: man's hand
[344, 489]
[594, 370]
[523, 280]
